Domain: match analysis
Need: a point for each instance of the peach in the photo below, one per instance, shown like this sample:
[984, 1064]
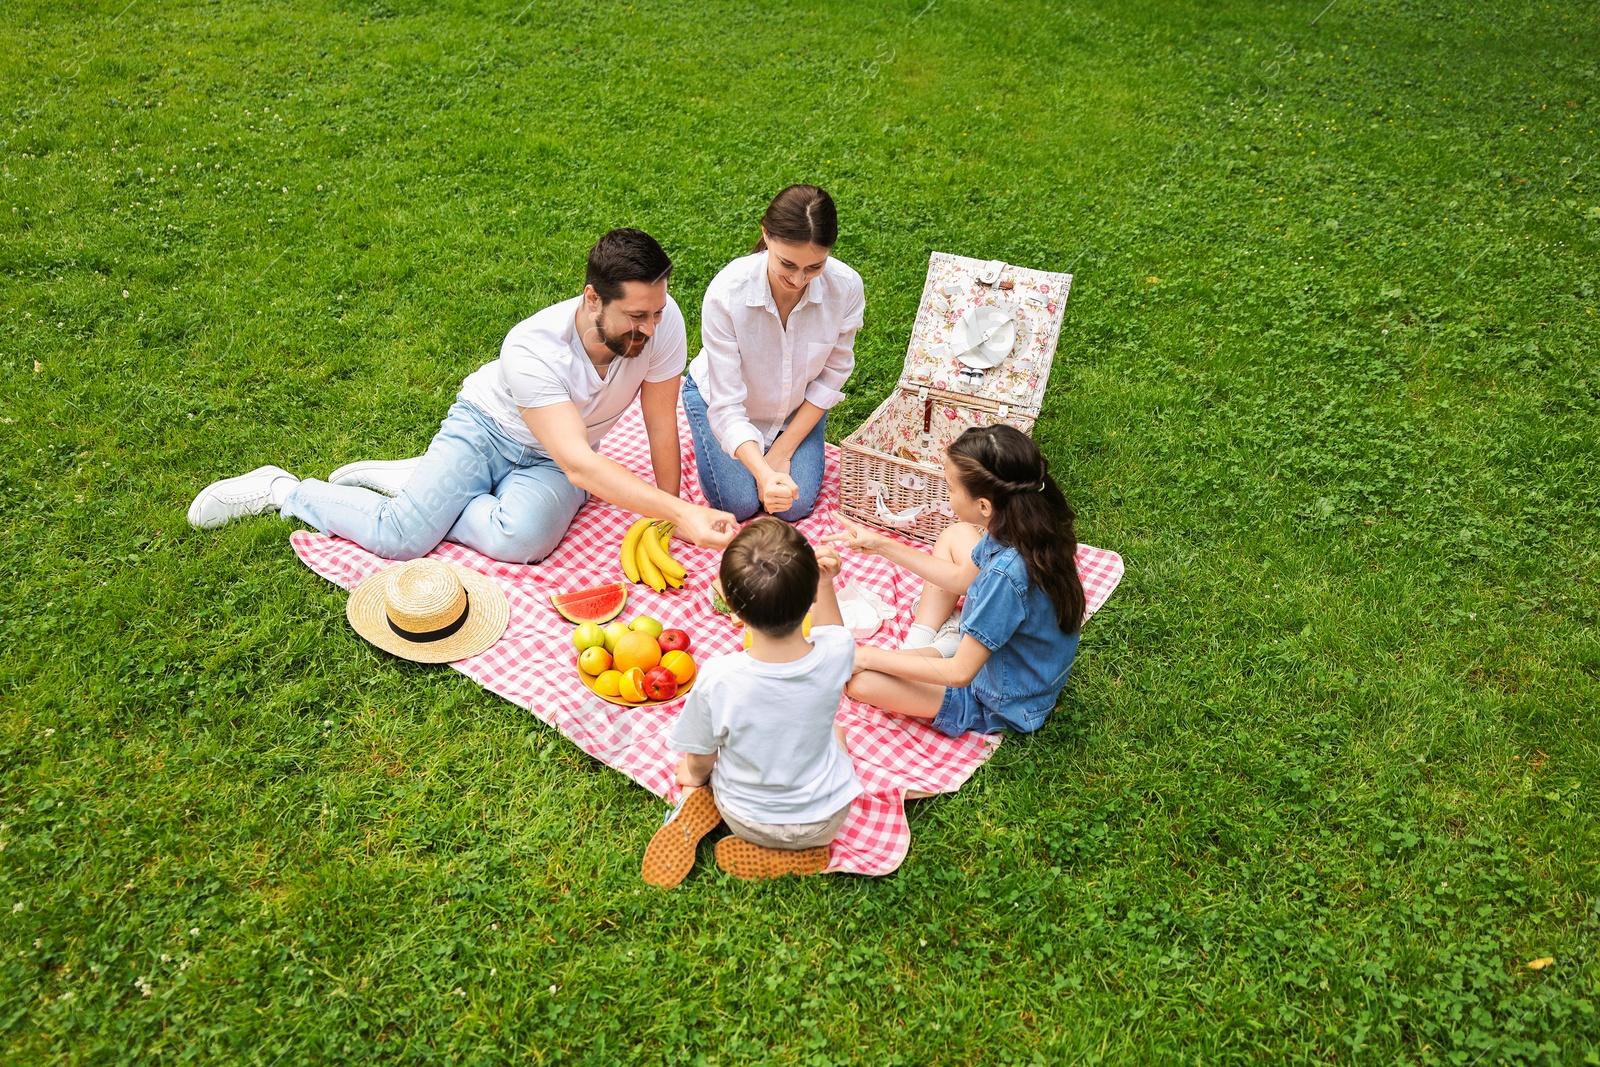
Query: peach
[594, 661]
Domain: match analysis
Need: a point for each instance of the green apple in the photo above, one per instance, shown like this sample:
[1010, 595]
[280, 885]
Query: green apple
[615, 632]
[645, 624]
[589, 635]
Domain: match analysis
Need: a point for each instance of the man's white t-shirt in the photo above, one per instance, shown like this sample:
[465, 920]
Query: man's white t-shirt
[542, 363]
[771, 725]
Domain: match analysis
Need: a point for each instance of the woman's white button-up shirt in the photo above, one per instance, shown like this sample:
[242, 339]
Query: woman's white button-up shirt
[752, 371]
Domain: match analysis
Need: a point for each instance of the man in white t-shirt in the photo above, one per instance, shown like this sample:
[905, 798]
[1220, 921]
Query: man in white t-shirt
[515, 457]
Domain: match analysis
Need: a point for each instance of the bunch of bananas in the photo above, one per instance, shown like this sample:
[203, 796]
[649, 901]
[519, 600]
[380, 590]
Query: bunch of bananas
[647, 556]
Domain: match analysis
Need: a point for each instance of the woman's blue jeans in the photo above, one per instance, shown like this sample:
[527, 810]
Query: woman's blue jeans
[729, 485]
[475, 486]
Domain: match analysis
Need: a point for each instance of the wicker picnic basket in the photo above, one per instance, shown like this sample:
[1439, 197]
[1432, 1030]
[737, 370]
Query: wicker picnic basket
[892, 467]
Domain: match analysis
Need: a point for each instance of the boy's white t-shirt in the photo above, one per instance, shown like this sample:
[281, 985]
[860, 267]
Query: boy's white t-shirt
[771, 725]
[542, 363]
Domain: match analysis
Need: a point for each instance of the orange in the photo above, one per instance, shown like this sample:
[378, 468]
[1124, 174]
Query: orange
[681, 664]
[636, 649]
[633, 686]
[609, 683]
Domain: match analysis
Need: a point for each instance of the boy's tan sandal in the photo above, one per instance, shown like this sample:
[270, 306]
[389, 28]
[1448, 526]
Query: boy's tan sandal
[670, 854]
[753, 862]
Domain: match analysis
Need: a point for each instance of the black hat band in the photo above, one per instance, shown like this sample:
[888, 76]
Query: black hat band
[434, 635]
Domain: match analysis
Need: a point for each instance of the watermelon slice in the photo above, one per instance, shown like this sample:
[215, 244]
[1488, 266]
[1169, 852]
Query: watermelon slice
[600, 604]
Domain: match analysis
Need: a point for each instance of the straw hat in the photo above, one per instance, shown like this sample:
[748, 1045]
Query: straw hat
[429, 611]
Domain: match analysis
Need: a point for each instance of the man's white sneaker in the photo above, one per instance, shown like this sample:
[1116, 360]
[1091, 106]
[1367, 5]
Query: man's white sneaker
[234, 498]
[380, 475]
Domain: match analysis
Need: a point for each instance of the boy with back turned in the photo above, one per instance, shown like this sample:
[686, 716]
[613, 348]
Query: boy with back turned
[761, 751]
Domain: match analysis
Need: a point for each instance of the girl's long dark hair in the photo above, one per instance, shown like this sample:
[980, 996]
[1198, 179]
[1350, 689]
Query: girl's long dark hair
[801, 215]
[1002, 465]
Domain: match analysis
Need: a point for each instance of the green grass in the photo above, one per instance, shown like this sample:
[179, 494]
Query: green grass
[1324, 779]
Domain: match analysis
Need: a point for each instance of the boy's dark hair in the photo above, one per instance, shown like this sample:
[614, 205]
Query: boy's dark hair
[625, 256]
[769, 576]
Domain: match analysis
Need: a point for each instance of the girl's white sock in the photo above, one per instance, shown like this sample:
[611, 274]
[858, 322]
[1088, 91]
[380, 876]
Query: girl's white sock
[948, 637]
[919, 636]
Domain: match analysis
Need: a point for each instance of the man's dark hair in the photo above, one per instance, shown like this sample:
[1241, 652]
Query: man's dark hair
[769, 576]
[625, 256]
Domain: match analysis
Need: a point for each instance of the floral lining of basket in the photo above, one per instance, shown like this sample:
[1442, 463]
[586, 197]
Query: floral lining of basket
[892, 465]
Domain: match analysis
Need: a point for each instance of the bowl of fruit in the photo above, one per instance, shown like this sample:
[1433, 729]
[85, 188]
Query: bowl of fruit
[636, 664]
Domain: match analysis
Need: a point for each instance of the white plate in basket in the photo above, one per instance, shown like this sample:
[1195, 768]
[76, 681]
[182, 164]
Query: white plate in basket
[984, 337]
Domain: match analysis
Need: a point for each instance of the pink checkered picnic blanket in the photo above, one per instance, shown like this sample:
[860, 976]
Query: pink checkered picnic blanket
[533, 664]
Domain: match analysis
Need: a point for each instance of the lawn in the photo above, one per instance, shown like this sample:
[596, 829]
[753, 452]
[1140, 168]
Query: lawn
[1324, 785]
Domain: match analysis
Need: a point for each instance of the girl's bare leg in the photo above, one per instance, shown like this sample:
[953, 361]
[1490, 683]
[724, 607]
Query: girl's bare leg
[920, 700]
[936, 606]
[955, 544]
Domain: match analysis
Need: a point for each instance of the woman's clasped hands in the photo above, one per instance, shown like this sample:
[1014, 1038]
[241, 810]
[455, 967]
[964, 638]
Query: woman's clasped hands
[778, 491]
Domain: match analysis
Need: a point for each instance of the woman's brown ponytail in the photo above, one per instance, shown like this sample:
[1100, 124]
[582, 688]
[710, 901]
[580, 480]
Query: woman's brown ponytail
[801, 215]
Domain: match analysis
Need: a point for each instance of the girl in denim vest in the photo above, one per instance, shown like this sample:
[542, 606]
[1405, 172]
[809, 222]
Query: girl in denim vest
[1000, 662]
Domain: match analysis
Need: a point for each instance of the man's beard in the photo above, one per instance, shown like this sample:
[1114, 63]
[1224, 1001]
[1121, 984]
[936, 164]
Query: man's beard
[619, 345]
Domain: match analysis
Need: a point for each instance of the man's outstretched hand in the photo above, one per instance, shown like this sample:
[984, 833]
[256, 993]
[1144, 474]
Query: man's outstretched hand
[707, 528]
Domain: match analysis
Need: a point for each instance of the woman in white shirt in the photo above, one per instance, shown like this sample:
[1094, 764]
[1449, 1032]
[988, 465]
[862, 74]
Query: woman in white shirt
[777, 334]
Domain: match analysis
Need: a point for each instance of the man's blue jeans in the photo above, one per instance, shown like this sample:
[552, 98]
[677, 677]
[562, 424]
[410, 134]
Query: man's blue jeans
[475, 486]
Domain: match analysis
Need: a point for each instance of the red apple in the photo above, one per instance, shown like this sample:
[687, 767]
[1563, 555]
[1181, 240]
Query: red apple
[659, 684]
[673, 641]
